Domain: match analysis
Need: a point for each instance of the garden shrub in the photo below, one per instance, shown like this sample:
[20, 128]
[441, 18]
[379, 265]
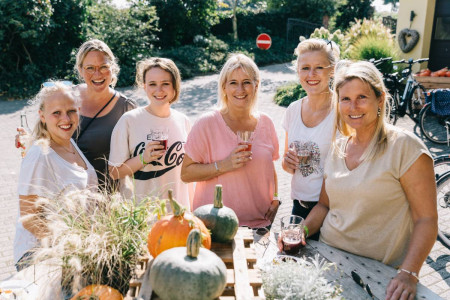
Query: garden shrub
[289, 93]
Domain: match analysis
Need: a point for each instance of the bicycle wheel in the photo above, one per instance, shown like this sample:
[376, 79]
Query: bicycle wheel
[433, 125]
[416, 100]
[393, 105]
[443, 206]
[441, 165]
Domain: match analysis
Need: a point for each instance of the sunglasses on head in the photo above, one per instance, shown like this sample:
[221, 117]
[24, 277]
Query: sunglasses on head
[361, 283]
[329, 43]
[52, 83]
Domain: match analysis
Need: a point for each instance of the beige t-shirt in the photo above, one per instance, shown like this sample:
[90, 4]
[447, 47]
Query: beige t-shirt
[369, 213]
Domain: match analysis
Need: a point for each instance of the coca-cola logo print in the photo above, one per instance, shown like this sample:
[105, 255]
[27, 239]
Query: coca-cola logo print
[171, 159]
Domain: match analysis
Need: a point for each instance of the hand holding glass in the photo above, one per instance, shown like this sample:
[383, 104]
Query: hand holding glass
[160, 135]
[245, 138]
[292, 234]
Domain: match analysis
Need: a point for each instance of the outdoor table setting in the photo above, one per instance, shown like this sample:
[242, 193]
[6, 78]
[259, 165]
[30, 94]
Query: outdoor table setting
[359, 277]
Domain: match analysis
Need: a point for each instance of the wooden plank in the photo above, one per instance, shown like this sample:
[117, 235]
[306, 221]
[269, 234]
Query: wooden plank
[429, 82]
[242, 285]
[372, 272]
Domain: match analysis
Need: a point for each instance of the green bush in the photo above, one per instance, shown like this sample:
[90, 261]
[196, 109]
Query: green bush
[289, 93]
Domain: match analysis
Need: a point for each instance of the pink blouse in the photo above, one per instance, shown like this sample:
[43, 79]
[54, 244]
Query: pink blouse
[247, 190]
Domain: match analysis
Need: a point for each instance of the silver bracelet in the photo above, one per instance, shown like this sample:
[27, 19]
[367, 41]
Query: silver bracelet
[409, 272]
[215, 165]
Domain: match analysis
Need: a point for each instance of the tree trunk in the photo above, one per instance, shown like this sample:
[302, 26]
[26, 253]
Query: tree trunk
[235, 33]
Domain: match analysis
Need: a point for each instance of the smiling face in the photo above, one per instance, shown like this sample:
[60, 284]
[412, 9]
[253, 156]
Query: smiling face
[158, 84]
[61, 116]
[240, 89]
[314, 71]
[96, 71]
[358, 105]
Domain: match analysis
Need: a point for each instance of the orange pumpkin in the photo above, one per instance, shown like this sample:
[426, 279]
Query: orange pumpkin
[100, 292]
[172, 230]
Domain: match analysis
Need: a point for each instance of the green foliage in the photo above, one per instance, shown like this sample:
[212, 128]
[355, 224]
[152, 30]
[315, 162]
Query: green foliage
[181, 20]
[349, 10]
[36, 38]
[129, 32]
[308, 10]
[289, 93]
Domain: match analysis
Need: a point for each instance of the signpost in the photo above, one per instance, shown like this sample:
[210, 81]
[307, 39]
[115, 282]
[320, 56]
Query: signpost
[263, 41]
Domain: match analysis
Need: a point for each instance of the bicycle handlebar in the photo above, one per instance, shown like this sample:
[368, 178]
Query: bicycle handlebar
[410, 61]
[379, 61]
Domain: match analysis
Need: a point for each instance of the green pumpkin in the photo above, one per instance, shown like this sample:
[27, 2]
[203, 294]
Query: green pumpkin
[188, 273]
[220, 220]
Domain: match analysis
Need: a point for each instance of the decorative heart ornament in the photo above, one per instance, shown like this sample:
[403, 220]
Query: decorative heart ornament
[407, 46]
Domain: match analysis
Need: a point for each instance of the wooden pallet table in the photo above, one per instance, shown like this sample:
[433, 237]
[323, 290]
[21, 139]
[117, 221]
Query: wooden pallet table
[243, 278]
[429, 82]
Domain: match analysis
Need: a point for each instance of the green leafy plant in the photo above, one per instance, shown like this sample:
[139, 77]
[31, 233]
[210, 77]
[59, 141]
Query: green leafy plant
[98, 238]
[298, 279]
[289, 93]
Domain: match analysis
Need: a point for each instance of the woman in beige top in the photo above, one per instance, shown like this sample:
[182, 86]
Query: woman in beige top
[378, 198]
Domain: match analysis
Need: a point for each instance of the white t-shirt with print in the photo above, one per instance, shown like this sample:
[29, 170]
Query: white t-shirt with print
[307, 181]
[44, 173]
[129, 139]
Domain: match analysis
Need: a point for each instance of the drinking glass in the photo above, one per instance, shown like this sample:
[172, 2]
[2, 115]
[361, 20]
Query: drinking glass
[292, 234]
[245, 138]
[160, 135]
[304, 155]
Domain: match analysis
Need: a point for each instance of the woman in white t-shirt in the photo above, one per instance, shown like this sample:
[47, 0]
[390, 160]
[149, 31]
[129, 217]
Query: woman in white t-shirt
[155, 167]
[309, 123]
[53, 165]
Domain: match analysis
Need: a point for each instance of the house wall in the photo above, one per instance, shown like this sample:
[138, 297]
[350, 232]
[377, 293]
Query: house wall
[423, 23]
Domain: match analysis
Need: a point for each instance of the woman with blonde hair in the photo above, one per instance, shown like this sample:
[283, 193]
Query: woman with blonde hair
[101, 105]
[308, 123]
[135, 152]
[54, 164]
[213, 155]
[378, 198]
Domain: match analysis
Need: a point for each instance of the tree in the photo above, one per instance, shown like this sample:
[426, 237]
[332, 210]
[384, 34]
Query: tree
[181, 20]
[309, 10]
[349, 10]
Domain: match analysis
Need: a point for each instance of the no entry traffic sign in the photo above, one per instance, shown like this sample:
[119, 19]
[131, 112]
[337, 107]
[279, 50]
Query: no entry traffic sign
[263, 41]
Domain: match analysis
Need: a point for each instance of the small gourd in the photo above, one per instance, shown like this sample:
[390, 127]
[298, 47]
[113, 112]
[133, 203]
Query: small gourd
[219, 219]
[188, 273]
[172, 230]
[97, 291]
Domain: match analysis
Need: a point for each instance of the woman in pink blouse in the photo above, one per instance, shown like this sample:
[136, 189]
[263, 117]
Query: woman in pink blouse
[213, 155]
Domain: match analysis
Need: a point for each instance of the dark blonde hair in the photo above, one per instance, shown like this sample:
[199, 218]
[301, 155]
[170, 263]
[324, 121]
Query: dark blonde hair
[40, 129]
[165, 64]
[237, 61]
[366, 72]
[330, 48]
[97, 45]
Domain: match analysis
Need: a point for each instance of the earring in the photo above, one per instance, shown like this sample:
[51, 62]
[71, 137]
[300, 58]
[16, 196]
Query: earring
[379, 112]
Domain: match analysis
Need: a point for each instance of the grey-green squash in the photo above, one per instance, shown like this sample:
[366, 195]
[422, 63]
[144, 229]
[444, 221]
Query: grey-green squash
[188, 273]
[219, 219]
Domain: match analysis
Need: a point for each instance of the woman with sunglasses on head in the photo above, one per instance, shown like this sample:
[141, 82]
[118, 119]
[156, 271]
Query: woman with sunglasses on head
[101, 105]
[213, 155]
[153, 161]
[378, 198]
[54, 164]
[309, 123]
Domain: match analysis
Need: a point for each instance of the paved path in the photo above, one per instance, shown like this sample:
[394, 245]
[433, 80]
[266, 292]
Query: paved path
[199, 95]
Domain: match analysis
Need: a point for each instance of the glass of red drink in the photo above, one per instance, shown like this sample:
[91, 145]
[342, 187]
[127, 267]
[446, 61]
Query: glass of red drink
[160, 135]
[245, 138]
[292, 234]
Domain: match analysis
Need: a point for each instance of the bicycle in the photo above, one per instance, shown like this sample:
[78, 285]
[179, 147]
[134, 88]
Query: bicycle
[443, 197]
[412, 98]
[434, 118]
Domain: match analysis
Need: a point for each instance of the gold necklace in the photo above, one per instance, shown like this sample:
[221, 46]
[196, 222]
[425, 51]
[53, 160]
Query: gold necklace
[70, 151]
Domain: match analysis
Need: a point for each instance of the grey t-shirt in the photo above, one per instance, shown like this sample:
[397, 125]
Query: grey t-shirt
[95, 141]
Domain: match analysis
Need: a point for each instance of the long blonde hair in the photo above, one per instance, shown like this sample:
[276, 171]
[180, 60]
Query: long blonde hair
[165, 64]
[97, 45]
[366, 72]
[237, 61]
[40, 129]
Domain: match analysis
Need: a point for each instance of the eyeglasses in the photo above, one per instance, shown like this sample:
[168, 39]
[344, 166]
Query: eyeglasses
[53, 83]
[329, 43]
[104, 69]
[361, 283]
[262, 237]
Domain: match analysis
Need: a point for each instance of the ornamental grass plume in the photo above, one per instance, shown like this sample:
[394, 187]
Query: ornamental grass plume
[298, 279]
[98, 238]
